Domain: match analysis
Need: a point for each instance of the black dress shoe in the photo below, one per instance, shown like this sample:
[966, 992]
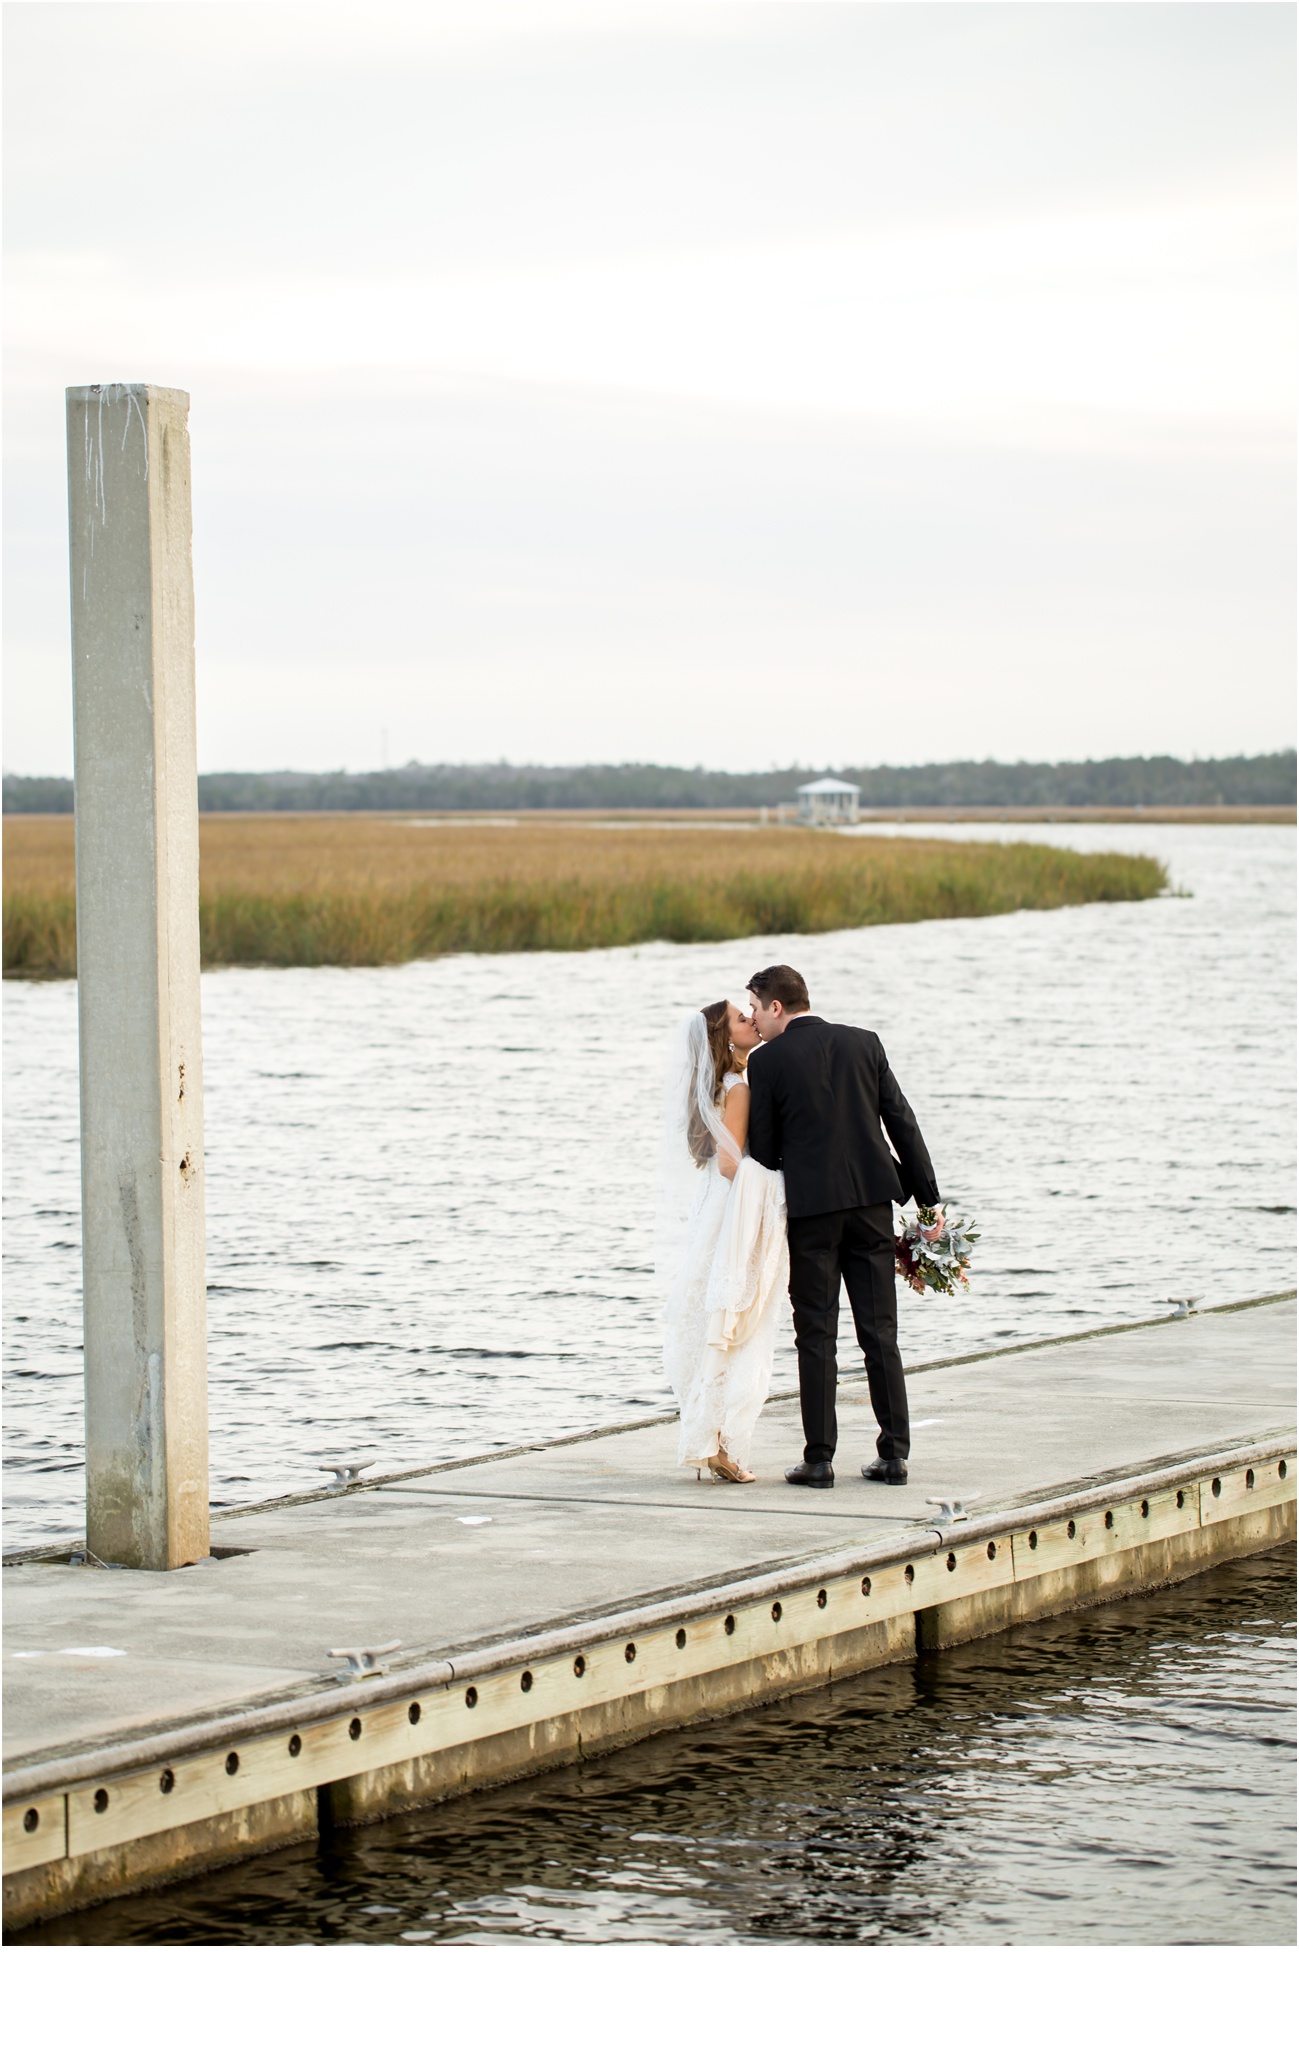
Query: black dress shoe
[892, 1471]
[810, 1475]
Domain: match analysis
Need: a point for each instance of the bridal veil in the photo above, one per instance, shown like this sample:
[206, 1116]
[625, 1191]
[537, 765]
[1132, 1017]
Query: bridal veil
[691, 1132]
[721, 1259]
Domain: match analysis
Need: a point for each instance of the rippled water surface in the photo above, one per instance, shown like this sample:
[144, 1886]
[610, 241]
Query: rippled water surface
[430, 1187]
[1119, 1777]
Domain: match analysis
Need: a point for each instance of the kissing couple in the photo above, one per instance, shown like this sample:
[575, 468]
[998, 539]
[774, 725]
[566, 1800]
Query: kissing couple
[774, 1167]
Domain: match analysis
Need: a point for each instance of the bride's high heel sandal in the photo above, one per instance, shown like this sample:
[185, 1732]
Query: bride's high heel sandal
[724, 1467]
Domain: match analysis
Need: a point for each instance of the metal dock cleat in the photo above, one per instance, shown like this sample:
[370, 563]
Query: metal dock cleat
[345, 1470]
[362, 1663]
[951, 1509]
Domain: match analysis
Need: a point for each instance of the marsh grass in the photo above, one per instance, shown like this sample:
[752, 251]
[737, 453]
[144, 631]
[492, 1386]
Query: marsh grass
[326, 890]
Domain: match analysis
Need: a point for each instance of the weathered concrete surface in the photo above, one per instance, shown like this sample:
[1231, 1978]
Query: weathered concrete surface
[138, 975]
[998, 1426]
[564, 1601]
[606, 1523]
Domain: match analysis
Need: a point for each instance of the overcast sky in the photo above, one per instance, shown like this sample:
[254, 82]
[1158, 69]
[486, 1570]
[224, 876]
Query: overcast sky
[723, 383]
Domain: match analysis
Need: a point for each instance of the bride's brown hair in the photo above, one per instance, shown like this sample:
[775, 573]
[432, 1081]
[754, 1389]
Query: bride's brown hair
[717, 1017]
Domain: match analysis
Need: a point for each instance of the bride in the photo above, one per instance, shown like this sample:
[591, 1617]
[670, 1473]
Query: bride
[721, 1249]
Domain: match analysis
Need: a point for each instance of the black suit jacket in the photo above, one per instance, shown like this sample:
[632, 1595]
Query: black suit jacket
[819, 1094]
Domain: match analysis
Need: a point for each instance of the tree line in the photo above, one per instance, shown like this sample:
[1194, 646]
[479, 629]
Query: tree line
[1151, 781]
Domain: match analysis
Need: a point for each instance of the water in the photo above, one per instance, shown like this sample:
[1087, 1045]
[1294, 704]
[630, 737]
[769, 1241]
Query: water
[429, 1200]
[430, 1187]
[1114, 1778]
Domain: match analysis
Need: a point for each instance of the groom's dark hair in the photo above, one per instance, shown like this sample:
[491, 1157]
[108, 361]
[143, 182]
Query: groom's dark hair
[783, 985]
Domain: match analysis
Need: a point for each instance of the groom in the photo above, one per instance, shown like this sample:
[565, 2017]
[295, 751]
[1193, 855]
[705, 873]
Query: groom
[819, 1093]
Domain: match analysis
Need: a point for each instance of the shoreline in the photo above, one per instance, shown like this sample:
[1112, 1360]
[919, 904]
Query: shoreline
[302, 890]
[667, 814]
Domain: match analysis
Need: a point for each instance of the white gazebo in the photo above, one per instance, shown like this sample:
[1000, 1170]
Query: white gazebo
[828, 802]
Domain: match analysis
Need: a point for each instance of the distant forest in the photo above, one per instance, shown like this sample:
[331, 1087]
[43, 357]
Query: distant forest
[497, 786]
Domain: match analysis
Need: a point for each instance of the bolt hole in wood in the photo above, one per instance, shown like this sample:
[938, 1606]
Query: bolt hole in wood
[1249, 1481]
[354, 1730]
[1109, 1518]
[681, 1639]
[579, 1667]
[101, 1801]
[1216, 1489]
[1282, 1469]
[729, 1624]
[295, 1745]
[1032, 1539]
[413, 1712]
[167, 1782]
[910, 1575]
[31, 1820]
[232, 1763]
[776, 1610]
[865, 1589]
[525, 1683]
[951, 1560]
[1181, 1498]
[1071, 1530]
[471, 1696]
[1145, 1510]
[822, 1597]
[630, 1653]
[992, 1550]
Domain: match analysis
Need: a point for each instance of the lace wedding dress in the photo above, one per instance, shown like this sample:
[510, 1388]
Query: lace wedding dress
[723, 1261]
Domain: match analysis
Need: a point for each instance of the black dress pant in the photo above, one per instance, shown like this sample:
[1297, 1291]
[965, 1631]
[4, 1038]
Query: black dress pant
[855, 1246]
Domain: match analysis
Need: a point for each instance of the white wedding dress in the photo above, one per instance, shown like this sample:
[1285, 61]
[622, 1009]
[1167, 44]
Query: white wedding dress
[725, 1266]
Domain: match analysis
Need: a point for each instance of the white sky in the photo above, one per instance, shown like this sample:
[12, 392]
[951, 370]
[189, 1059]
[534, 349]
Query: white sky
[727, 383]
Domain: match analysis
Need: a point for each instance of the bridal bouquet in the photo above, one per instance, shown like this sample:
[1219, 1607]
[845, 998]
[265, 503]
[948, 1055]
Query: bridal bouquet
[932, 1254]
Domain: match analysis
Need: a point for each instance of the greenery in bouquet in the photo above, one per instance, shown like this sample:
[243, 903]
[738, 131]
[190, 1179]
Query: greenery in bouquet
[932, 1254]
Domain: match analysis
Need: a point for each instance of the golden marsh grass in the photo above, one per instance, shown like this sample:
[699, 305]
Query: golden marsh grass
[367, 889]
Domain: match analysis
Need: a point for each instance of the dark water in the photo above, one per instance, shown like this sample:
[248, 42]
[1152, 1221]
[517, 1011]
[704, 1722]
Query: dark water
[1119, 1777]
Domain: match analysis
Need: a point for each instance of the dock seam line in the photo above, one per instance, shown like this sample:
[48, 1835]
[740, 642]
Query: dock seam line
[283, 1500]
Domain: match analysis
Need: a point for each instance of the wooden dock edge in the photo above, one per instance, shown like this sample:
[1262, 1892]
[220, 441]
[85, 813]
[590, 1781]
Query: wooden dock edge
[148, 1811]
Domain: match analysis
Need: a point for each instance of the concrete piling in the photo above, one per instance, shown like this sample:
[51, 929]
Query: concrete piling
[138, 975]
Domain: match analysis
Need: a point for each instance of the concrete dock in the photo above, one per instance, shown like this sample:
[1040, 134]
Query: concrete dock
[549, 1603]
